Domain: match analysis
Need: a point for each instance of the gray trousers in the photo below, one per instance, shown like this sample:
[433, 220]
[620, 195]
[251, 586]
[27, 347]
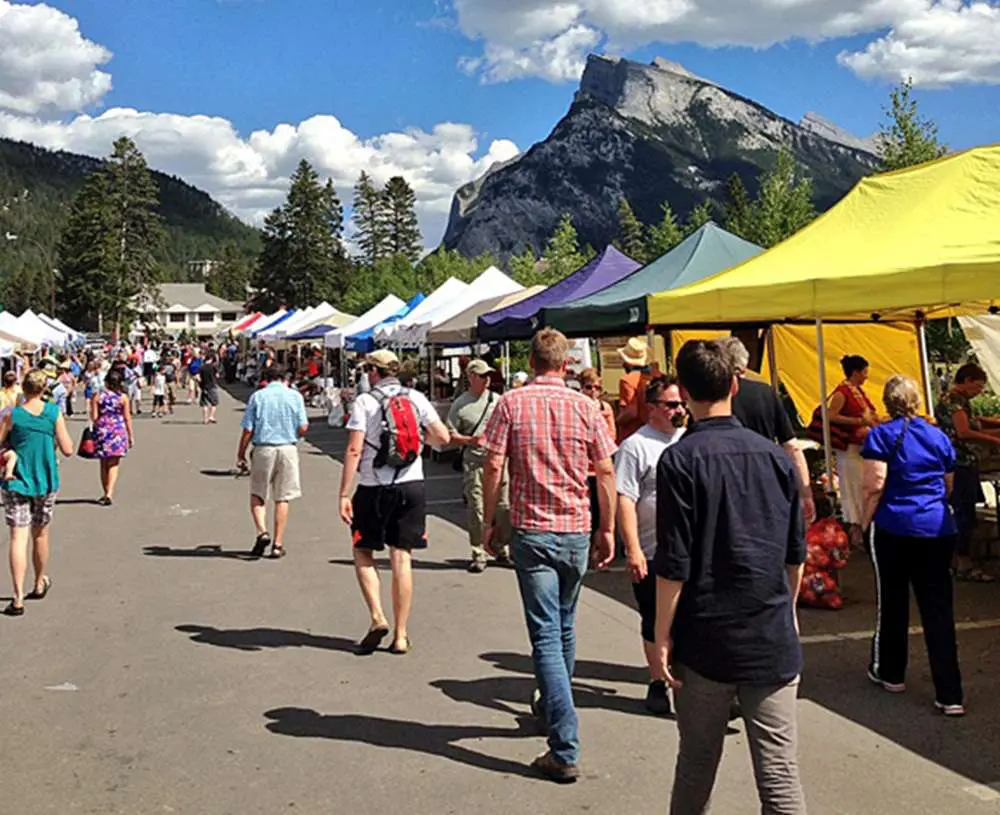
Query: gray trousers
[702, 715]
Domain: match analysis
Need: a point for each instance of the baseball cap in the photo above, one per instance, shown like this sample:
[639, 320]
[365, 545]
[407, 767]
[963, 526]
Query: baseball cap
[382, 358]
[479, 367]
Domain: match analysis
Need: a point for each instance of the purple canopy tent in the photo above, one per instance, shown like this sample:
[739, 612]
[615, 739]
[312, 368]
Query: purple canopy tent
[521, 320]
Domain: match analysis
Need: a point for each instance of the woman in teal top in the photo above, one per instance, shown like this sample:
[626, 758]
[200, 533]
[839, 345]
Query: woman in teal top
[32, 430]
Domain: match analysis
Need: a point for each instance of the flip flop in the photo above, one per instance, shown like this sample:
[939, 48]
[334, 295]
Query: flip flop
[260, 545]
[13, 611]
[277, 552]
[399, 650]
[40, 595]
[373, 639]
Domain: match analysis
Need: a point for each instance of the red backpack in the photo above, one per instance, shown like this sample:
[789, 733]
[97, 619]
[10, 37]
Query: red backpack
[401, 440]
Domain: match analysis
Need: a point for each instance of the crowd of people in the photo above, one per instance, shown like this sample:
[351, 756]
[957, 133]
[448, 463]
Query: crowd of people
[699, 477]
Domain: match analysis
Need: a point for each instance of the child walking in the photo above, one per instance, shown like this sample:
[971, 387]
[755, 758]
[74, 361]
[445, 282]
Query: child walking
[159, 394]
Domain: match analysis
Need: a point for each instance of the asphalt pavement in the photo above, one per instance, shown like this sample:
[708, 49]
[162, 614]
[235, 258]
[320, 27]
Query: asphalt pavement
[167, 673]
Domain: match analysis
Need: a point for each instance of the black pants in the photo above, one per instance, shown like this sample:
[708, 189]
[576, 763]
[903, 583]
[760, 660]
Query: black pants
[926, 564]
[967, 492]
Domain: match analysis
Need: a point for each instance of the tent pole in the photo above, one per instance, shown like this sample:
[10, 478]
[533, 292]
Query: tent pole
[772, 358]
[430, 370]
[506, 364]
[824, 410]
[925, 365]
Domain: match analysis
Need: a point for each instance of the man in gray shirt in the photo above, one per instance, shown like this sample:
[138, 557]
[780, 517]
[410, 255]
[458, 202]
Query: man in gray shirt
[635, 476]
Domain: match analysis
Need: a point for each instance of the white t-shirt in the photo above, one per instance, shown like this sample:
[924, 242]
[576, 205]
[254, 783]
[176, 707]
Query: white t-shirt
[635, 476]
[366, 415]
[160, 385]
[149, 356]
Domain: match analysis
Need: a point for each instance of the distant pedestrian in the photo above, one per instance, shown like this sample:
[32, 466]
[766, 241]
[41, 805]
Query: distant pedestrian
[33, 430]
[275, 420]
[208, 380]
[467, 420]
[193, 369]
[159, 395]
[635, 476]
[632, 411]
[550, 437]
[729, 562]
[68, 380]
[111, 417]
[388, 427]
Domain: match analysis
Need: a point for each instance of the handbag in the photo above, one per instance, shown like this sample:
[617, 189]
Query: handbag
[840, 438]
[88, 447]
[458, 462]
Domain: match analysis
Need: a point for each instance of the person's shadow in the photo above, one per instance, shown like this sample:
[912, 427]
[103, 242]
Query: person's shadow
[433, 739]
[257, 639]
[210, 550]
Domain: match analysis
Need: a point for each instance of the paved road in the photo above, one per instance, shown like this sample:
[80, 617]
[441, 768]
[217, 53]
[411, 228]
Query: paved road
[165, 673]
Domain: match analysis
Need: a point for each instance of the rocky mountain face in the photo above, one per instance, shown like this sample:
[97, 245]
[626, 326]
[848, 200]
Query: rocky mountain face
[647, 133]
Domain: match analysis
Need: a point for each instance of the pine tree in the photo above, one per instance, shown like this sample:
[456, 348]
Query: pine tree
[524, 267]
[784, 204]
[697, 218]
[738, 208]
[906, 138]
[107, 253]
[631, 239]
[404, 237]
[370, 221]
[562, 254]
[230, 275]
[665, 235]
[302, 260]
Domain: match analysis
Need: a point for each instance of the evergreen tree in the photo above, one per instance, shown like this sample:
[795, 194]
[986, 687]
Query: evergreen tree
[665, 235]
[697, 218]
[404, 239]
[302, 260]
[562, 254]
[230, 275]
[906, 138]
[370, 221]
[524, 267]
[107, 254]
[631, 238]
[784, 204]
[738, 214]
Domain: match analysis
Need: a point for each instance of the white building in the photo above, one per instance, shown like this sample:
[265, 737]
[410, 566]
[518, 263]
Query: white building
[188, 307]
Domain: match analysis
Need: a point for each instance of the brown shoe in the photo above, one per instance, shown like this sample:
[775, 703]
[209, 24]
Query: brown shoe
[554, 771]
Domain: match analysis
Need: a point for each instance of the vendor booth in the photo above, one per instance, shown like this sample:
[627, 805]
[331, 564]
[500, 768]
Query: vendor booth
[461, 329]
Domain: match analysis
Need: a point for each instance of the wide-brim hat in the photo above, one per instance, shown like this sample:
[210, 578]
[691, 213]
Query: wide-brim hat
[382, 358]
[635, 352]
[479, 367]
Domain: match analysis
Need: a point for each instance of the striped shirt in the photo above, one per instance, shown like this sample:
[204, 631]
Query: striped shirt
[550, 436]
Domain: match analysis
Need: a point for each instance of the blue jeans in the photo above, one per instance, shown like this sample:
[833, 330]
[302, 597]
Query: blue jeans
[550, 568]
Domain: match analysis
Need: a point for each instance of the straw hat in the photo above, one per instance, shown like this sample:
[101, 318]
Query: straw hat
[382, 358]
[480, 367]
[635, 352]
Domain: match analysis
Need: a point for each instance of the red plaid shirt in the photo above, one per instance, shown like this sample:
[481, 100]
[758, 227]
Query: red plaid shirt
[550, 435]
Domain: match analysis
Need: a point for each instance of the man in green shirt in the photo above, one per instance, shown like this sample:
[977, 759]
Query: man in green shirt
[467, 420]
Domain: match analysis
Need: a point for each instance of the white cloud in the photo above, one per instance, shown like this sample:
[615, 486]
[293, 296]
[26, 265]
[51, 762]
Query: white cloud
[936, 42]
[45, 62]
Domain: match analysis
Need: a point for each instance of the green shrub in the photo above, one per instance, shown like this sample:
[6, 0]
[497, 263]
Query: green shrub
[986, 404]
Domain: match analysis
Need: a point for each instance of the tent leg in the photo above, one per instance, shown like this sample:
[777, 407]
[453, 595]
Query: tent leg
[827, 441]
[430, 371]
[772, 358]
[925, 366]
[506, 364]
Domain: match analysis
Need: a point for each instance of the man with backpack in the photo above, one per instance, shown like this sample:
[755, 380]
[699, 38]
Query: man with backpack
[388, 429]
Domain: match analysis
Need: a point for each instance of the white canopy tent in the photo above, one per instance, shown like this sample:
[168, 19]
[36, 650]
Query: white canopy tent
[37, 327]
[490, 284]
[289, 326]
[379, 313]
[266, 322]
[447, 292]
[59, 325]
[11, 332]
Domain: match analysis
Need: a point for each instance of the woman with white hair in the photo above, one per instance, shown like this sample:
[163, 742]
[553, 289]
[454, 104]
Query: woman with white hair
[907, 475]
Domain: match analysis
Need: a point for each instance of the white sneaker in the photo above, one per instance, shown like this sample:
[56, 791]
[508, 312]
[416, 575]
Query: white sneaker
[953, 711]
[891, 687]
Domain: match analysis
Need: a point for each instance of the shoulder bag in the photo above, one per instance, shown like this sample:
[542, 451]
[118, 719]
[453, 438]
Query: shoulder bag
[458, 462]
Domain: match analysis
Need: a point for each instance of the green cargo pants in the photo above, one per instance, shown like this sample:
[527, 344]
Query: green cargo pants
[472, 483]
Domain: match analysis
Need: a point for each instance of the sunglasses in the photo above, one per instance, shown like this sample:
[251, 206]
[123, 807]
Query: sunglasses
[591, 387]
[671, 404]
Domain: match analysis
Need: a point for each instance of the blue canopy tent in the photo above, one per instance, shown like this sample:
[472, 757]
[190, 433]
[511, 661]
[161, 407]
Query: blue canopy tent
[314, 333]
[364, 341]
[257, 330]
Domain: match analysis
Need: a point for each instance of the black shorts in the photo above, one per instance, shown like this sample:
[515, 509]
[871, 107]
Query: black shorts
[393, 516]
[159, 401]
[645, 599]
[595, 504]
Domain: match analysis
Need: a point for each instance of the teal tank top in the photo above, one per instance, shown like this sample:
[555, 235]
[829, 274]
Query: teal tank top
[33, 438]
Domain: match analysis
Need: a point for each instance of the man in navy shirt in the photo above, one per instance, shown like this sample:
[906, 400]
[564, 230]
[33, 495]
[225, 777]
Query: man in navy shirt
[728, 565]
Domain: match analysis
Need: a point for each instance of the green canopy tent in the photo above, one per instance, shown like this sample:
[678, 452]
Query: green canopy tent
[621, 309]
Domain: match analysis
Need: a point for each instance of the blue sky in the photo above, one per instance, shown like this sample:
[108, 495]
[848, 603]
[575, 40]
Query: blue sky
[500, 72]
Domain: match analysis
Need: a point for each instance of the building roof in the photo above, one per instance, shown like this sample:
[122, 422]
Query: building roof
[193, 297]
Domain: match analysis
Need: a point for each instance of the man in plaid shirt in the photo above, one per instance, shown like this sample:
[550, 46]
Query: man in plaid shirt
[549, 436]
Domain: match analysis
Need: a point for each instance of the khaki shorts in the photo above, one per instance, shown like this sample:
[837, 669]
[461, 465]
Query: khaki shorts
[275, 471]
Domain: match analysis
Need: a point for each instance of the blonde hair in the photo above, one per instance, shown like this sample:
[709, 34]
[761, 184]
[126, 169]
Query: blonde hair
[901, 397]
[589, 376]
[35, 383]
[549, 349]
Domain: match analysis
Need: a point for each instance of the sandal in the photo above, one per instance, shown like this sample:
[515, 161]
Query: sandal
[973, 575]
[277, 552]
[373, 639]
[105, 501]
[12, 610]
[260, 545]
[401, 647]
[40, 595]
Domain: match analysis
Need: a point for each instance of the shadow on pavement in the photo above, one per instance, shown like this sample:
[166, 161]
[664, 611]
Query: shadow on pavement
[74, 502]
[206, 550]
[432, 739]
[585, 668]
[230, 472]
[450, 565]
[257, 639]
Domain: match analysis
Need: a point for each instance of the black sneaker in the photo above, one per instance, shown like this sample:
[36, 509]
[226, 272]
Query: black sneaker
[735, 710]
[657, 700]
[260, 545]
[547, 765]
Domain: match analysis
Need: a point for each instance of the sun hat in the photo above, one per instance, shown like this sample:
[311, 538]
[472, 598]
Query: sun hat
[382, 358]
[479, 367]
[635, 352]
